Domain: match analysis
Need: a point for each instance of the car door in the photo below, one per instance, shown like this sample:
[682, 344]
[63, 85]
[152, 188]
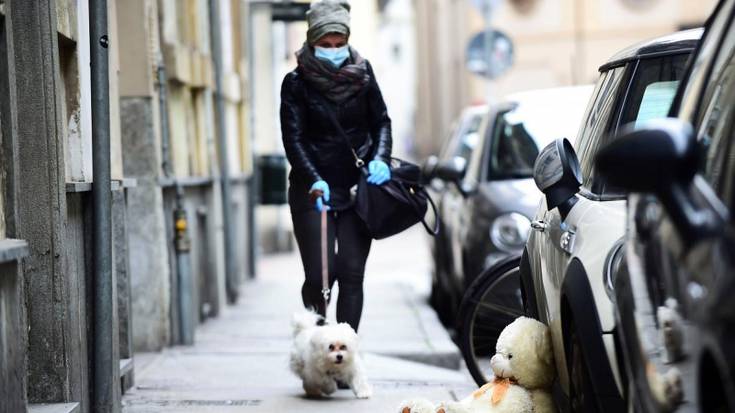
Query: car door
[559, 236]
[455, 200]
[710, 264]
[459, 216]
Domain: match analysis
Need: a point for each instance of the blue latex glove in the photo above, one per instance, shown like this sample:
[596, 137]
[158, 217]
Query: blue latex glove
[379, 172]
[322, 200]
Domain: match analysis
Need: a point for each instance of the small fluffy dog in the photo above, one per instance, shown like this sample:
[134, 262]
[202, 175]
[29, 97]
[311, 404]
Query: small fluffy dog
[325, 354]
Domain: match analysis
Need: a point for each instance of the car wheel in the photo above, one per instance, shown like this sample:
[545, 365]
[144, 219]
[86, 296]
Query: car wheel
[443, 304]
[581, 392]
[492, 302]
[530, 307]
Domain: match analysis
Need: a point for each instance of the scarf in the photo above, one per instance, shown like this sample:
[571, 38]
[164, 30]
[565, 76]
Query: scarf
[336, 84]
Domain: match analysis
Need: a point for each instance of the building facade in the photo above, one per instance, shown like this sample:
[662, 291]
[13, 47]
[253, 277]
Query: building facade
[182, 186]
[556, 43]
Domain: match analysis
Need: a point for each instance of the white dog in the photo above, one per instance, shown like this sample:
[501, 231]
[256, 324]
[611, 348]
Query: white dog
[323, 355]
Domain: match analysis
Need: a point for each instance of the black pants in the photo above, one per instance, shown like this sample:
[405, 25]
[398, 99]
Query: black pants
[348, 247]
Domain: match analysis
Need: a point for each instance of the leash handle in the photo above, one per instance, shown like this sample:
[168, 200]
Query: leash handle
[325, 262]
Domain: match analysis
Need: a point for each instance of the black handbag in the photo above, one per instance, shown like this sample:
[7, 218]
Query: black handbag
[394, 206]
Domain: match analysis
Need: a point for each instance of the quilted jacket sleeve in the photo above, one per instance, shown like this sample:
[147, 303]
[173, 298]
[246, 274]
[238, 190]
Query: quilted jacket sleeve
[292, 129]
[381, 123]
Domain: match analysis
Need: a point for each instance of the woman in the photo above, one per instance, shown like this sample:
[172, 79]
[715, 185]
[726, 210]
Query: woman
[332, 83]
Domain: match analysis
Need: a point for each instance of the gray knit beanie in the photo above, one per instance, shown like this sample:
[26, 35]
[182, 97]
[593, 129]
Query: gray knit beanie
[327, 16]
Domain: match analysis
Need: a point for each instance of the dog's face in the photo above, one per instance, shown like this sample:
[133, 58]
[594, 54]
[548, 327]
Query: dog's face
[335, 344]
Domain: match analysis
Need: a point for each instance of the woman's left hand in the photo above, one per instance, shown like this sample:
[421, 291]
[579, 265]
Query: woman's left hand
[379, 172]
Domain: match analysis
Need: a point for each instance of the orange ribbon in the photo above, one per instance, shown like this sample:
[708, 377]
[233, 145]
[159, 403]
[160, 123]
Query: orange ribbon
[499, 387]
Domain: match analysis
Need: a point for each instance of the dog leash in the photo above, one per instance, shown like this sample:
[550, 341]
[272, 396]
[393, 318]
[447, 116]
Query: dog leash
[325, 262]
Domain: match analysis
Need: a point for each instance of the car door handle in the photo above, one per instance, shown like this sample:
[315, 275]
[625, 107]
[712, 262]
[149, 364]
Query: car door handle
[539, 225]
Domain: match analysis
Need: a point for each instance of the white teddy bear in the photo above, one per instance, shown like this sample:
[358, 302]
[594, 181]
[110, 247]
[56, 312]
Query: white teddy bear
[524, 370]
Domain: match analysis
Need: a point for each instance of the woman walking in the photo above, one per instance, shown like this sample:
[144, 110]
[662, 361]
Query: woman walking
[332, 83]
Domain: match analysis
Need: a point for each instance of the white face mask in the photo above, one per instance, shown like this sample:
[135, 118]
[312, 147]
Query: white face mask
[336, 56]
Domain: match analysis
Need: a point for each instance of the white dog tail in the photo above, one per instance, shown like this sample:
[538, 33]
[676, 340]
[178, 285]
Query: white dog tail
[303, 320]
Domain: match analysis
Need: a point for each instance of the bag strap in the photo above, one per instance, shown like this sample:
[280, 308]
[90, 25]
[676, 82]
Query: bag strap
[433, 232]
[407, 193]
[359, 163]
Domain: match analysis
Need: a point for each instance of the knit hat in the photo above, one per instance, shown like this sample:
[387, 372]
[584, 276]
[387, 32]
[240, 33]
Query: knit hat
[327, 16]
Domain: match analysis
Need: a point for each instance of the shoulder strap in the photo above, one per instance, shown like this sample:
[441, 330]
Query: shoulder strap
[359, 163]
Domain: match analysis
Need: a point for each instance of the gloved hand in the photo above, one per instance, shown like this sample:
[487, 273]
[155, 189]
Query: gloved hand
[379, 172]
[319, 193]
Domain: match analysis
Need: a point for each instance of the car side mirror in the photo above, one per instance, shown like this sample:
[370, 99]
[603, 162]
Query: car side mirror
[662, 158]
[453, 170]
[651, 158]
[428, 169]
[558, 175]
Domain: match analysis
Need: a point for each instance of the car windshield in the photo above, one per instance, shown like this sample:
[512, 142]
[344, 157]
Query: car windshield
[521, 133]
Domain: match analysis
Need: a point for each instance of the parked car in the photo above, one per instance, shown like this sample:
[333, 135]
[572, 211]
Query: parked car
[675, 281]
[488, 201]
[457, 149]
[582, 218]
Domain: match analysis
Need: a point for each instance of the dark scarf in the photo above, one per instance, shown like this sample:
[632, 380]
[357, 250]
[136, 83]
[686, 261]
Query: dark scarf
[337, 85]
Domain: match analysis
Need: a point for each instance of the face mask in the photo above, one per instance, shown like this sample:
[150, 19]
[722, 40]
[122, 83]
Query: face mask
[335, 56]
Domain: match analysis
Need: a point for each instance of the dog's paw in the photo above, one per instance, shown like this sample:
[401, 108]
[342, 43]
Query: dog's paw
[364, 392]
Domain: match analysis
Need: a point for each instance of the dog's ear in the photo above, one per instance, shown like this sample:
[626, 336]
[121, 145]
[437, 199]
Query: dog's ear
[318, 340]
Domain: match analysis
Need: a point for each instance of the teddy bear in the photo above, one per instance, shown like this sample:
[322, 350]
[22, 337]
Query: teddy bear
[524, 370]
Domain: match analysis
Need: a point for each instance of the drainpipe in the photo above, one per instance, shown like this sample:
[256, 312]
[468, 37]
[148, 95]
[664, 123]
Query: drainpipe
[104, 372]
[182, 242]
[216, 38]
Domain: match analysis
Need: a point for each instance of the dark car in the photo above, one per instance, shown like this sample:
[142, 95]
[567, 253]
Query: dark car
[488, 201]
[457, 149]
[582, 219]
[674, 281]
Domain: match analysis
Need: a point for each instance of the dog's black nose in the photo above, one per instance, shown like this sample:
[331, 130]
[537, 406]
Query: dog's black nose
[339, 357]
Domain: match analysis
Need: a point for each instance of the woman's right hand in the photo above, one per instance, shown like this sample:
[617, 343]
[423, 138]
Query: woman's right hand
[319, 194]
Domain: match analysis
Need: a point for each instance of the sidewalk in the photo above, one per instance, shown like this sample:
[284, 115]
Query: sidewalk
[240, 360]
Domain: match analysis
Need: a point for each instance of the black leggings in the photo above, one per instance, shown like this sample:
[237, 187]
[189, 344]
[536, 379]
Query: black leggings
[346, 259]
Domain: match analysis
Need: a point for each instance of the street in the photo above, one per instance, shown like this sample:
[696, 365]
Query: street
[161, 161]
[240, 360]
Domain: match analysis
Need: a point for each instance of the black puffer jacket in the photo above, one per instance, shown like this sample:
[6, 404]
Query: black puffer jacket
[315, 149]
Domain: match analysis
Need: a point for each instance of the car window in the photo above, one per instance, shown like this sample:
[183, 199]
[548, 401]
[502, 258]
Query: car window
[513, 150]
[596, 124]
[520, 133]
[649, 95]
[474, 168]
[468, 140]
[653, 88]
[463, 139]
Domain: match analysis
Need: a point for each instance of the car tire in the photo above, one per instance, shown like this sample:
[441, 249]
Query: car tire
[443, 305]
[480, 325]
[530, 306]
[581, 391]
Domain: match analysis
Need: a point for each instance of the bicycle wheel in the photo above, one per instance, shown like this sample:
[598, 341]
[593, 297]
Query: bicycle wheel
[492, 302]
